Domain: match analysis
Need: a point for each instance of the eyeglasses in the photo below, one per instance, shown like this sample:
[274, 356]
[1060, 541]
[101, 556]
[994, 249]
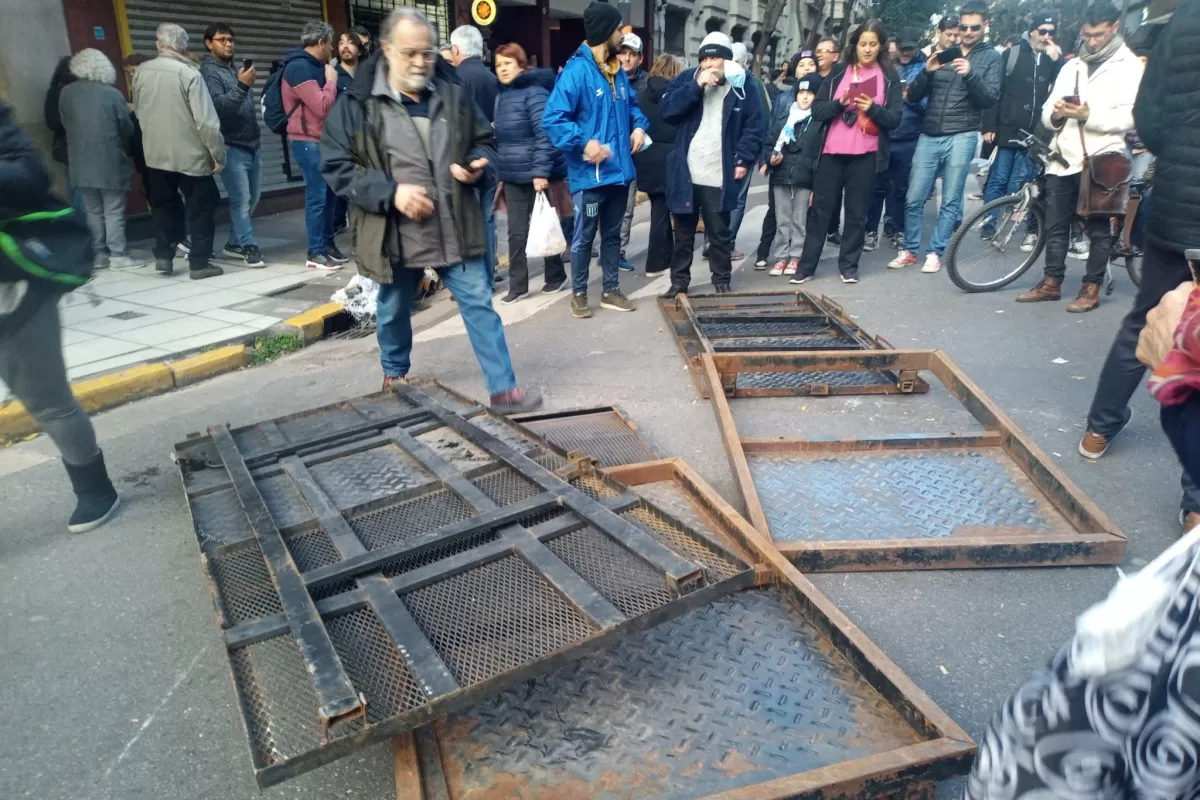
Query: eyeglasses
[413, 54]
[971, 28]
[1045, 31]
[824, 51]
[222, 39]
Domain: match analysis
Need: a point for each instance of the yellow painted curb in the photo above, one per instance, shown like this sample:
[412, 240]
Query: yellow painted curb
[97, 394]
[15, 421]
[310, 325]
[206, 365]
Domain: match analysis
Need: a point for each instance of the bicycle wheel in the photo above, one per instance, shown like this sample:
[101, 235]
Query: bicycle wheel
[976, 264]
[1133, 265]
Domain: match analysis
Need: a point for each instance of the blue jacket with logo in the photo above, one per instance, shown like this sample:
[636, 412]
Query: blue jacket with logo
[743, 126]
[584, 106]
[909, 128]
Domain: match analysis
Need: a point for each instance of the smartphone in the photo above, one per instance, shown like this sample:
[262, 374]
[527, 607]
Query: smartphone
[949, 54]
[247, 63]
[1073, 99]
[903, 84]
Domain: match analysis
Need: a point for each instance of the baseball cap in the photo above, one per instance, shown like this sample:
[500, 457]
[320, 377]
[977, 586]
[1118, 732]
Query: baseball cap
[908, 37]
[633, 42]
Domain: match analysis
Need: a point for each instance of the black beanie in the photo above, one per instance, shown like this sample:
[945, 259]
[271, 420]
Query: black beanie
[599, 22]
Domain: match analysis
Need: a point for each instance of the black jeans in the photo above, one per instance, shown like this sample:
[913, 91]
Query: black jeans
[768, 230]
[707, 202]
[1162, 271]
[661, 245]
[1062, 196]
[520, 197]
[853, 176]
[891, 187]
[1181, 424]
[167, 210]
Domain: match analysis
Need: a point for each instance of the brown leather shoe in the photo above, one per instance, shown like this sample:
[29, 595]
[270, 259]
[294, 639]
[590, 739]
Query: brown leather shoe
[1088, 298]
[1187, 521]
[1046, 289]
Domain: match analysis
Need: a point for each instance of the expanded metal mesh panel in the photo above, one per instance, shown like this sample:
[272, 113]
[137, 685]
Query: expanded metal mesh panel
[752, 328]
[278, 699]
[244, 585]
[800, 380]
[311, 550]
[374, 664]
[683, 542]
[595, 487]
[494, 618]
[409, 563]
[415, 517]
[504, 487]
[551, 461]
[685, 505]
[817, 341]
[806, 301]
[911, 495]
[627, 582]
[603, 435]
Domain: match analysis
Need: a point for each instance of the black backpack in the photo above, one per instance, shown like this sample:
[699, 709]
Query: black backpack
[51, 251]
[272, 104]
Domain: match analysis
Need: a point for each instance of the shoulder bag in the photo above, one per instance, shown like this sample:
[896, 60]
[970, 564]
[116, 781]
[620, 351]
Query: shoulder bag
[1104, 181]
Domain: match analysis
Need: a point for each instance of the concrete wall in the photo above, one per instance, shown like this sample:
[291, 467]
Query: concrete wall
[33, 37]
[734, 12]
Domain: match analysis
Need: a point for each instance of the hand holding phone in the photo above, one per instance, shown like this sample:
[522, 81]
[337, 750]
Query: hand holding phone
[1073, 99]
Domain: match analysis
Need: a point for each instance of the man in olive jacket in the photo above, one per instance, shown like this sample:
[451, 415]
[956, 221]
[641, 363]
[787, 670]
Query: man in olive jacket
[404, 146]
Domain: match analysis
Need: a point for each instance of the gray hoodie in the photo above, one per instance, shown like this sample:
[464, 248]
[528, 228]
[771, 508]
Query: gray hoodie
[234, 102]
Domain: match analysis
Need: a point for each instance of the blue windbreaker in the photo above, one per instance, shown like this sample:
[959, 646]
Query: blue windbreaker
[583, 107]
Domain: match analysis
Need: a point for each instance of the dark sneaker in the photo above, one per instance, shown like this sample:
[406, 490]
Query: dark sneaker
[554, 286]
[721, 288]
[657, 270]
[615, 301]
[672, 293]
[164, 265]
[516, 401]
[513, 297]
[704, 251]
[849, 277]
[95, 498]
[388, 380]
[235, 250]
[207, 271]
[335, 255]
[322, 261]
[254, 259]
[834, 239]
[737, 255]
[871, 242]
[760, 265]
[185, 247]
[1093, 445]
[579, 306]
[595, 252]
[625, 265]
[988, 231]
[340, 228]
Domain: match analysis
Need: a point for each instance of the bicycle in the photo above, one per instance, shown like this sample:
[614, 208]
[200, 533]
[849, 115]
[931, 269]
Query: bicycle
[999, 260]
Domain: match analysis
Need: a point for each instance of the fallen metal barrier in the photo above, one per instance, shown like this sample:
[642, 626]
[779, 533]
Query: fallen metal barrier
[778, 321]
[378, 563]
[936, 501]
[605, 433]
[769, 693]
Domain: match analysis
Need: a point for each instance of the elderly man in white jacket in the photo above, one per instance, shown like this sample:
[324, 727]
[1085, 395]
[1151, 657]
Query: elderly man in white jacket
[1090, 106]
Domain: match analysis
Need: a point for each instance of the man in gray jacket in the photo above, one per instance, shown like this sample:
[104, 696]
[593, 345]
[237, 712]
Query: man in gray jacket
[232, 94]
[181, 137]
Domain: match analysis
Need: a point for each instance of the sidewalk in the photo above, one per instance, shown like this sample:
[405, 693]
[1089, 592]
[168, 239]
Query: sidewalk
[134, 316]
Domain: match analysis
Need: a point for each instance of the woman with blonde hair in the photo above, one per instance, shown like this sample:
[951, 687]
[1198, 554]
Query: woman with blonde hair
[651, 163]
[99, 128]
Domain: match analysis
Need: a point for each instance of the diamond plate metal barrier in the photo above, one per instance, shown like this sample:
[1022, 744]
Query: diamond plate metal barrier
[933, 501]
[769, 693]
[384, 561]
[606, 434]
[779, 321]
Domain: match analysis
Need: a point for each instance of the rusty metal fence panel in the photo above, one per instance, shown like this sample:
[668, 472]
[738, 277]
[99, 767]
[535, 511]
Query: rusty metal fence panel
[768, 693]
[937, 501]
[605, 433]
[777, 321]
[382, 562]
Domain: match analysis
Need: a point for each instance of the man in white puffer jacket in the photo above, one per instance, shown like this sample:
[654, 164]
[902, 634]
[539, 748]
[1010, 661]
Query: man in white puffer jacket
[1094, 93]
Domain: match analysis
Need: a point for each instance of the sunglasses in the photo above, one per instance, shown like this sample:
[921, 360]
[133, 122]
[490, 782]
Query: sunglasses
[1045, 31]
[971, 28]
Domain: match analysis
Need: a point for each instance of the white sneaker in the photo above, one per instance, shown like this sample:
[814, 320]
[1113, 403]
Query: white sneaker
[1028, 242]
[120, 263]
[1079, 250]
[903, 259]
[932, 263]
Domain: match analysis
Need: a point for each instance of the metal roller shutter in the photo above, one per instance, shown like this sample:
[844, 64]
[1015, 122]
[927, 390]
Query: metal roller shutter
[370, 13]
[265, 30]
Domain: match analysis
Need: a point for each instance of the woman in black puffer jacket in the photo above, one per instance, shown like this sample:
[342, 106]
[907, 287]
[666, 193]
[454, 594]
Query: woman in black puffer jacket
[651, 164]
[526, 164]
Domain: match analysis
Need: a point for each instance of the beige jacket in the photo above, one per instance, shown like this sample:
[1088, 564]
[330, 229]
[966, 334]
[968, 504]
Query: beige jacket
[180, 128]
[1110, 93]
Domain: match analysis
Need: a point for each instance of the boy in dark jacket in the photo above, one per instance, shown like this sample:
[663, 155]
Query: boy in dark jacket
[790, 157]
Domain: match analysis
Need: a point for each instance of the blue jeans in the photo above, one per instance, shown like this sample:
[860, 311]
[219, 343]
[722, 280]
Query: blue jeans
[241, 177]
[1011, 169]
[735, 218]
[948, 156]
[469, 284]
[318, 197]
[601, 209]
[487, 199]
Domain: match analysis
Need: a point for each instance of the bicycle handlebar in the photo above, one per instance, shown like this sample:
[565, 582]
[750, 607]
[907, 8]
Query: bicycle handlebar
[1039, 148]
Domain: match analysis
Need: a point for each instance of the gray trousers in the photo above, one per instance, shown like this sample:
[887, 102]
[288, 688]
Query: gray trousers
[106, 218]
[627, 222]
[791, 214]
[31, 364]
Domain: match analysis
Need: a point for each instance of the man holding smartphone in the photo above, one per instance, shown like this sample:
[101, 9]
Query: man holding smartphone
[960, 83]
[232, 90]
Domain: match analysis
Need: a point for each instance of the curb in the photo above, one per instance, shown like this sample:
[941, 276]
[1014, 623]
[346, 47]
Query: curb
[151, 378]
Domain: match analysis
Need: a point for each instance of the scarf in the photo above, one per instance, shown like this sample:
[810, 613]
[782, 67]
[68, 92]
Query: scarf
[1103, 54]
[609, 70]
[1177, 376]
[788, 134]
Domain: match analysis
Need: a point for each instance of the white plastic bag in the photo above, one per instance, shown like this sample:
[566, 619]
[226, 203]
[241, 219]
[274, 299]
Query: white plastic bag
[545, 231]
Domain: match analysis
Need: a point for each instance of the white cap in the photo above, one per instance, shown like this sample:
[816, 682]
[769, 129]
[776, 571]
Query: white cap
[740, 54]
[633, 42]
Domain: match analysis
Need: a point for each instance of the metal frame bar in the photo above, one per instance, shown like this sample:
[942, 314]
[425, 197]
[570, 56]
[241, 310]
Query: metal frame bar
[1096, 540]
[946, 753]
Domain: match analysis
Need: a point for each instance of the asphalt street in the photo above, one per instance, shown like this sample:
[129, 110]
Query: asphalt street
[113, 680]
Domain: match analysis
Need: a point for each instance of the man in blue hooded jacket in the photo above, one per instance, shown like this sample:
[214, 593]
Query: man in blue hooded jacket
[592, 116]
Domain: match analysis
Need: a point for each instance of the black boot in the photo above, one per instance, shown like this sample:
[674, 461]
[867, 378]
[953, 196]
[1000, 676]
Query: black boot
[97, 500]
[671, 293]
[721, 288]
